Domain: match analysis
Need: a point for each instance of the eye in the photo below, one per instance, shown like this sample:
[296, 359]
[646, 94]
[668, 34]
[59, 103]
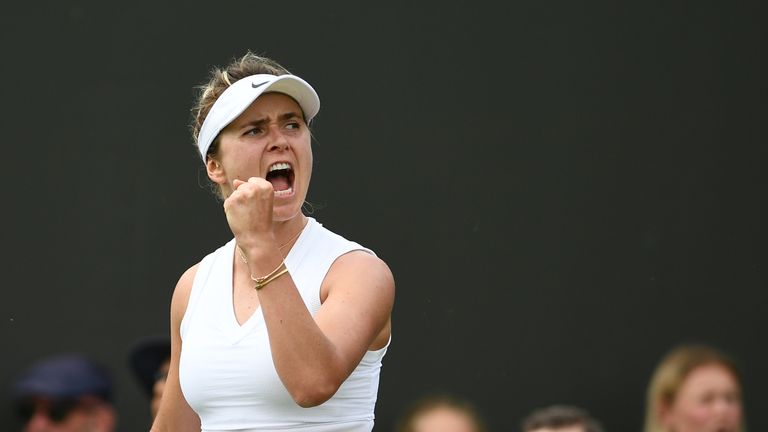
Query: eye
[706, 398]
[732, 398]
[254, 131]
[293, 125]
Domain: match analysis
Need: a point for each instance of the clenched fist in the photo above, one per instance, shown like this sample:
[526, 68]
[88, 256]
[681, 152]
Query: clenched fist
[249, 212]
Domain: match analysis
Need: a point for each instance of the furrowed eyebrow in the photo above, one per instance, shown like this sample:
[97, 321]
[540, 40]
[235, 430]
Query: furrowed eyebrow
[254, 123]
[290, 115]
[261, 122]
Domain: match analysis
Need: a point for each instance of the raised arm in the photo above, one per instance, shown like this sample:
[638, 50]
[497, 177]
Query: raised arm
[314, 357]
[175, 414]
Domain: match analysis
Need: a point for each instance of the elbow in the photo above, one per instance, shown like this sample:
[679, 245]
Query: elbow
[308, 396]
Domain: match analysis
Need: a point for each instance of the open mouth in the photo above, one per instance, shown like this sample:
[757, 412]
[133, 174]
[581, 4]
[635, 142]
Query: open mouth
[281, 176]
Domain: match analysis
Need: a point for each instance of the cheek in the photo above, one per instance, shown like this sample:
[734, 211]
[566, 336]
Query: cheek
[307, 163]
[695, 415]
[685, 417]
[76, 421]
[734, 413]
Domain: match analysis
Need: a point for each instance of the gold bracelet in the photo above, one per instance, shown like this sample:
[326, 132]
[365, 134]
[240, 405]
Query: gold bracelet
[272, 273]
[261, 282]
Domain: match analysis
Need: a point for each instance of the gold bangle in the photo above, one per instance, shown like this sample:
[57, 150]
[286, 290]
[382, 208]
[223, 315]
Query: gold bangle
[261, 282]
[272, 273]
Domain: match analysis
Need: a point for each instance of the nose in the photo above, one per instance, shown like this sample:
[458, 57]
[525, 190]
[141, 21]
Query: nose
[39, 422]
[278, 141]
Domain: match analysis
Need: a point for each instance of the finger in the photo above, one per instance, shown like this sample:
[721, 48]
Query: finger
[236, 183]
[257, 180]
[261, 183]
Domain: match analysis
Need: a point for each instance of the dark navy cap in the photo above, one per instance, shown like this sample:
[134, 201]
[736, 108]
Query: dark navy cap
[146, 357]
[64, 377]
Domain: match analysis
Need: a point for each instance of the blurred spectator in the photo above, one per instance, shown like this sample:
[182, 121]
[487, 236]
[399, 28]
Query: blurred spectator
[695, 388]
[150, 359]
[561, 418]
[441, 413]
[65, 393]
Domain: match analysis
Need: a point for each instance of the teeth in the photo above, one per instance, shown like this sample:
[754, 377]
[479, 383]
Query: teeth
[279, 166]
[284, 192]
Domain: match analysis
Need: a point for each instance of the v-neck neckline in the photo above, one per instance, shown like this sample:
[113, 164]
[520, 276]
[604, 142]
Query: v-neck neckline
[239, 331]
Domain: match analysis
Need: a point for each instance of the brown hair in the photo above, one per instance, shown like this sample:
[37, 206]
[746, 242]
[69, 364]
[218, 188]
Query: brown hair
[560, 416]
[219, 80]
[430, 403]
[671, 373]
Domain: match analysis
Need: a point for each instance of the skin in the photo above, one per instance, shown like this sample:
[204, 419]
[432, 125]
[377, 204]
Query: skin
[444, 419]
[574, 428]
[709, 400]
[90, 416]
[313, 357]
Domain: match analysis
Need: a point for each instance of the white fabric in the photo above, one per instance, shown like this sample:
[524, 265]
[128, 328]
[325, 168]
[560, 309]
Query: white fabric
[226, 370]
[240, 95]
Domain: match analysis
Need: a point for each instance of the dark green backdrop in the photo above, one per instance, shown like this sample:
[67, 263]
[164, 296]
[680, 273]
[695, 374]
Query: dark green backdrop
[564, 190]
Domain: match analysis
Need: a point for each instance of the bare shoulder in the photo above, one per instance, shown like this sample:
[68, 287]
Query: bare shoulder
[358, 292]
[361, 270]
[181, 293]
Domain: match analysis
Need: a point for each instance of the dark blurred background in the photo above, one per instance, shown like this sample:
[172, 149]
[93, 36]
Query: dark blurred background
[563, 190]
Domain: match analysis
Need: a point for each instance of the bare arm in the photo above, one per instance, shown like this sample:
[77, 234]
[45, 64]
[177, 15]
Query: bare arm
[175, 414]
[312, 356]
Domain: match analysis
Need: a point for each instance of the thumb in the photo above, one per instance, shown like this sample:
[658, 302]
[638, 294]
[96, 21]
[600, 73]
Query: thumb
[236, 183]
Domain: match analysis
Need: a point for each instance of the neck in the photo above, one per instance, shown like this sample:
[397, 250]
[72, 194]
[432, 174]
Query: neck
[286, 232]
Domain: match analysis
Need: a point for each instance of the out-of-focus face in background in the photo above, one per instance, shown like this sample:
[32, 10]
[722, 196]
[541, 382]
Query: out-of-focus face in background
[444, 419]
[157, 389]
[150, 359]
[573, 428]
[709, 400]
[64, 393]
[82, 415]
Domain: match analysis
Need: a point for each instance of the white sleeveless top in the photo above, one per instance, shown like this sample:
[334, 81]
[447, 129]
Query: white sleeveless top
[226, 370]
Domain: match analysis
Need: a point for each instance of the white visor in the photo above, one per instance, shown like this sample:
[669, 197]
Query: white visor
[240, 95]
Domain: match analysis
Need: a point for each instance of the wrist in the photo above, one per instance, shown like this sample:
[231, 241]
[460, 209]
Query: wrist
[260, 259]
[262, 281]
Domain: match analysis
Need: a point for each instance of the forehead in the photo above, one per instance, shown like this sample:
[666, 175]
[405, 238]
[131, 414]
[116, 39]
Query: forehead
[272, 103]
[709, 376]
[572, 428]
[444, 419]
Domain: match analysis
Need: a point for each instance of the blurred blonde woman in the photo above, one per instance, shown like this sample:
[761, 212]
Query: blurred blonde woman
[441, 413]
[695, 388]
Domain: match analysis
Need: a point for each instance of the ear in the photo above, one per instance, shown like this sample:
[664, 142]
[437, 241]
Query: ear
[215, 171]
[664, 414]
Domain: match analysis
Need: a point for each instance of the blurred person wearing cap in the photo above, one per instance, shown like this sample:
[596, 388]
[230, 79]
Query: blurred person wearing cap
[285, 326]
[150, 359]
[561, 418]
[65, 393]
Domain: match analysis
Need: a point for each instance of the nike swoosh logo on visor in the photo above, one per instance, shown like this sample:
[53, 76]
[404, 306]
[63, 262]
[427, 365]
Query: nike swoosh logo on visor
[258, 85]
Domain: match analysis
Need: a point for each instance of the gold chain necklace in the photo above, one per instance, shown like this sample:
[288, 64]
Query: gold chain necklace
[245, 260]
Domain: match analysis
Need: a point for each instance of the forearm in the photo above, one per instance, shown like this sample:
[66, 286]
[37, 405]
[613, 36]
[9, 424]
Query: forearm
[308, 363]
[314, 353]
